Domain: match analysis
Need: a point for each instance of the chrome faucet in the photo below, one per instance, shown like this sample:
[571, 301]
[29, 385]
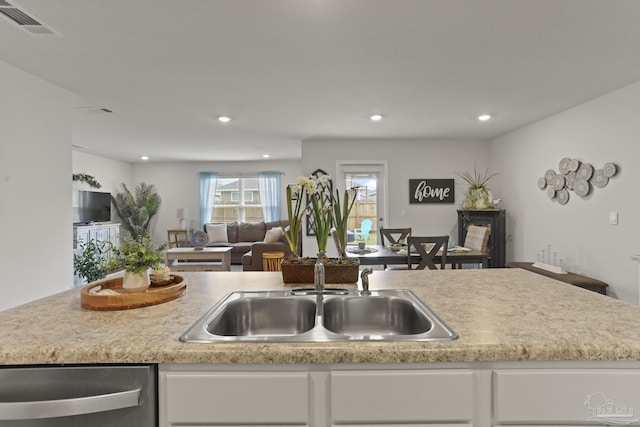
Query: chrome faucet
[318, 273]
[364, 276]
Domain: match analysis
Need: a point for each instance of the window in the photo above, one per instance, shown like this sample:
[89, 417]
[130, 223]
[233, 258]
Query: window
[239, 198]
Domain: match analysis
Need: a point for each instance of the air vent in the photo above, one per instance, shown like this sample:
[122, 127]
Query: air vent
[25, 20]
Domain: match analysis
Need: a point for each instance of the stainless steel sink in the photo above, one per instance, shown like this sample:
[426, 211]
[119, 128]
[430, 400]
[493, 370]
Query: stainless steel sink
[264, 316]
[374, 315]
[293, 316]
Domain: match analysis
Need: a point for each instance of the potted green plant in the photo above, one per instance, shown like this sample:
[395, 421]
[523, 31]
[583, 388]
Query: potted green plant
[89, 262]
[136, 211]
[478, 195]
[137, 256]
[322, 211]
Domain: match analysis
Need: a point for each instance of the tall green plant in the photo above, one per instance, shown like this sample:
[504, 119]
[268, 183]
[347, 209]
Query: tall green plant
[136, 212]
[341, 211]
[295, 202]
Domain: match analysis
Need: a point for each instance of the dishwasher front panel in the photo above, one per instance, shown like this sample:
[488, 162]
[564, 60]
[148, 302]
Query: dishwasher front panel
[93, 396]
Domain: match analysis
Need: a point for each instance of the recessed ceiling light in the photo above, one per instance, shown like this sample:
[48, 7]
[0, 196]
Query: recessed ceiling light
[484, 117]
[266, 156]
[224, 119]
[144, 157]
[376, 117]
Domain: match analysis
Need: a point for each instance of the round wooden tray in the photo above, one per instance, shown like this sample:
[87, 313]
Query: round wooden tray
[124, 301]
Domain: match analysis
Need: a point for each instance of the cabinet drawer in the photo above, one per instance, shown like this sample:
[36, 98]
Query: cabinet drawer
[567, 396]
[238, 397]
[401, 396]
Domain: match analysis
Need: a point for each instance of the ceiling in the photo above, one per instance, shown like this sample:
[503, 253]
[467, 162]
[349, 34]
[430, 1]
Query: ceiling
[289, 70]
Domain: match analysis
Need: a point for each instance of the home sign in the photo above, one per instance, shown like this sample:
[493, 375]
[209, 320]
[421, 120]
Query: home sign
[431, 191]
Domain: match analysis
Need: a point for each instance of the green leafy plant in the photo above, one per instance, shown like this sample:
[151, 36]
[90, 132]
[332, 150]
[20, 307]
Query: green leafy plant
[90, 261]
[320, 206]
[478, 195]
[83, 177]
[135, 212]
[340, 212]
[476, 180]
[136, 255]
[295, 201]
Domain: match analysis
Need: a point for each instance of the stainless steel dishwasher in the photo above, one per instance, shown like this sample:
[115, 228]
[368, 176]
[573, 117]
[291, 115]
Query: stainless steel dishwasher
[95, 396]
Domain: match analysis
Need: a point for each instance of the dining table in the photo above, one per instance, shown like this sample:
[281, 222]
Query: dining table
[385, 255]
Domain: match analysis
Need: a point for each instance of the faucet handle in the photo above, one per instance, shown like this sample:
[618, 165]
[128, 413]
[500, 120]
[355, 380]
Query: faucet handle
[364, 276]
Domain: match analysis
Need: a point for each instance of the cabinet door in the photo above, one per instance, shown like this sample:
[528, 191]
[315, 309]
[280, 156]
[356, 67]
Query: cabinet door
[82, 235]
[394, 397]
[566, 396]
[231, 398]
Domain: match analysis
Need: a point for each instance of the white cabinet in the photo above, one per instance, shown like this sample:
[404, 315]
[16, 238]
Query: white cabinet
[401, 397]
[571, 396]
[99, 232]
[474, 394]
[315, 396]
[235, 398]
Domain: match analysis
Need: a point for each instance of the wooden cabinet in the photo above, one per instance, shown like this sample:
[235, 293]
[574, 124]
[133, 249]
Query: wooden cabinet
[495, 219]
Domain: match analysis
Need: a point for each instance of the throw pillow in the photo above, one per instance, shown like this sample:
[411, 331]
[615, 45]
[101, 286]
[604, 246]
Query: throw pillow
[273, 235]
[217, 233]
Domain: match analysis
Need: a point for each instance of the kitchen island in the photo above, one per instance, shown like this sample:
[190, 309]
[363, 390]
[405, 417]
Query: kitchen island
[499, 315]
[531, 351]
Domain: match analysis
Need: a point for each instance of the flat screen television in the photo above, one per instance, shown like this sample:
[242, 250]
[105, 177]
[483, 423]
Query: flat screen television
[91, 206]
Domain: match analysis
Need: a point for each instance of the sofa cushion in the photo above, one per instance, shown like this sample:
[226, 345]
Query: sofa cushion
[251, 232]
[232, 232]
[217, 233]
[273, 235]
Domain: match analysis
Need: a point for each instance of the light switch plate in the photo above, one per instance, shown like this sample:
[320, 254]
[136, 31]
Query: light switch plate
[613, 218]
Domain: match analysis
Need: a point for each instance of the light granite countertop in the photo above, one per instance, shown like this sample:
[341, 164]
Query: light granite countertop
[499, 315]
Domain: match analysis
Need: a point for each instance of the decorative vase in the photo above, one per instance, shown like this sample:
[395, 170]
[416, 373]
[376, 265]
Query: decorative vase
[133, 282]
[301, 271]
[477, 198]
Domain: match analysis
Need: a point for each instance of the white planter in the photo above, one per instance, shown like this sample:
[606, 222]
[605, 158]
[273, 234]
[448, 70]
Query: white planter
[133, 282]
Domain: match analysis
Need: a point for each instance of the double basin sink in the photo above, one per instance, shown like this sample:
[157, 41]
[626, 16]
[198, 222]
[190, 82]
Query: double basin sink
[306, 316]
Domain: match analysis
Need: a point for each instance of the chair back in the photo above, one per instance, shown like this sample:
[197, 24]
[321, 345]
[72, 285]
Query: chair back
[427, 248]
[365, 228]
[477, 237]
[392, 236]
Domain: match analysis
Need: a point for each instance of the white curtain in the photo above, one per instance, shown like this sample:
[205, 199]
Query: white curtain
[269, 183]
[208, 181]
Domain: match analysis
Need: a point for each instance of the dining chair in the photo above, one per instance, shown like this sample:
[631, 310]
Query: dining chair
[477, 238]
[427, 248]
[394, 236]
[363, 231]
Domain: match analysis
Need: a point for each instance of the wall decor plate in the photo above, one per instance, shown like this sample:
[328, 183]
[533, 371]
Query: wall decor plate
[609, 169]
[574, 164]
[563, 196]
[599, 179]
[582, 187]
[572, 177]
[563, 167]
[558, 182]
[549, 176]
[542, 183]
[585, 171]
[551, 193]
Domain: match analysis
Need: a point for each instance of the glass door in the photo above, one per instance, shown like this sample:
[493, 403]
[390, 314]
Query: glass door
[369, 209]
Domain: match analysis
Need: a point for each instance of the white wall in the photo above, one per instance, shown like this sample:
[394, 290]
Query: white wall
[406, 159]
[35, 188]
[603, 130]
[108, 172]
[178, 185]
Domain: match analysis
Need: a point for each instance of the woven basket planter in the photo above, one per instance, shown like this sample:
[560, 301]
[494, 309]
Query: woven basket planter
[301, 271]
